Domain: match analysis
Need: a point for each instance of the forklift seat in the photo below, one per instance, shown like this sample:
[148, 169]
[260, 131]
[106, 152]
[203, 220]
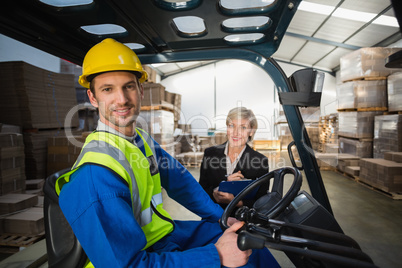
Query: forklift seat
[63, 248]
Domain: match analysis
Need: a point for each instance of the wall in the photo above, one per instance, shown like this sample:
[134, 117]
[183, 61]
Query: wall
[13, 50]
[232, 83]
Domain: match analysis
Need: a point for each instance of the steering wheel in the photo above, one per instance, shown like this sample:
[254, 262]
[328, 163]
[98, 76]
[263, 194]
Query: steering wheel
[274, 202]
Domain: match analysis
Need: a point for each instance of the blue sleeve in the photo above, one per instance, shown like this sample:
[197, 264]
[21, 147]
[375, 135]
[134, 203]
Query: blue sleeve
[181, 186]
[97, 204]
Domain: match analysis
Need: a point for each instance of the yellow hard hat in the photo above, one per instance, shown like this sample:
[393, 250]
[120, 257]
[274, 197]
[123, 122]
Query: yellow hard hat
[110, 55]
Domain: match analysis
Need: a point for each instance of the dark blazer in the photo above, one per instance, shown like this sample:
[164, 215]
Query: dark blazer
[252, 165]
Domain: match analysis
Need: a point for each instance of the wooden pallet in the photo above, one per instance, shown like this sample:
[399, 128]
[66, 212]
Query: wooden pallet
[191, 165]
[347, 175]
[368, 109]
[328, 168]
[356, 139]
[393, 195]
[10, 243]
[392, 112]
[366, 78]
[163, 106]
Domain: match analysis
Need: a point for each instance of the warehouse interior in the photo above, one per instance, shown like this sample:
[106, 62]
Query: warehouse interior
[355, 132]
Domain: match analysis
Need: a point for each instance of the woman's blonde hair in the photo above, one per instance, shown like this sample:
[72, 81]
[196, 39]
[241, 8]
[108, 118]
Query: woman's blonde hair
[243, 113]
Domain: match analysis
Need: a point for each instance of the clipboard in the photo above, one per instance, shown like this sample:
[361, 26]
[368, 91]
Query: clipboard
[235, 187]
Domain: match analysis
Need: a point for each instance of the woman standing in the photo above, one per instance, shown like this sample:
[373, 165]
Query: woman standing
[234, 159]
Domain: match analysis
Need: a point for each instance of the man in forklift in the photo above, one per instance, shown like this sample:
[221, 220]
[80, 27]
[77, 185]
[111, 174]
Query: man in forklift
[112, 196]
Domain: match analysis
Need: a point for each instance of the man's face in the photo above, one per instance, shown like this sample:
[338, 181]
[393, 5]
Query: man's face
[118, 96]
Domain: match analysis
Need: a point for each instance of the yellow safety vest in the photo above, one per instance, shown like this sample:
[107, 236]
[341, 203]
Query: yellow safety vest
[140, 172]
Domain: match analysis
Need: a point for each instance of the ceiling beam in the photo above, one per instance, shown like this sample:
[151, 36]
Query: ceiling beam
[322, 41]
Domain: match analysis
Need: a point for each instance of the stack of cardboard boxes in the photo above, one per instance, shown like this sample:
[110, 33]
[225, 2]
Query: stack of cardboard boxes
[34, 108]
[328, 132]
[311, 118]
[369, 126]
[160, 113]
[39, 102]
[63, 151]
[21, 221]
[12, 163]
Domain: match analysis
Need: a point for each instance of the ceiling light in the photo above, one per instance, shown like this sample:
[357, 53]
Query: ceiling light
[387, 21]
[315, 8]
[353, 15]
[348, 14]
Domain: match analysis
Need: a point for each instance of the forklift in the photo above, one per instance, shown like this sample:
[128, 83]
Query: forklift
[298, 223]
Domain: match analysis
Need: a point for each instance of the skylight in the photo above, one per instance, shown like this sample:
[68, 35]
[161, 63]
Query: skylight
[244, 38]
[102, 29]
[240, 4]
[348, 14]
[66, 3]
[190, 25]
[246, 22]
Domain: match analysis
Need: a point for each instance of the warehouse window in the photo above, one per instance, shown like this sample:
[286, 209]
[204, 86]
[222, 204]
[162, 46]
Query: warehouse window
[189, 26]
[241, 4]
[102, 29]
[66, 3]
[244, 38]
[246, 24]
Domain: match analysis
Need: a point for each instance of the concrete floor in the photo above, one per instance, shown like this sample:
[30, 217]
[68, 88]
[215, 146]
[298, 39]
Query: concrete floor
[372, 219]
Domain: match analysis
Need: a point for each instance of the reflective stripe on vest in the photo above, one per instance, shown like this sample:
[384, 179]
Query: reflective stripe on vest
[128, 161]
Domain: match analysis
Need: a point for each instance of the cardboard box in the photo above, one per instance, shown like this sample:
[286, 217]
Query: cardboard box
[352, 170]
[28, 222]
[362, 94]
[36, 152]
[14, 202]
[154, 94]
[366, 62]
[159, 124]
[4, 128]
[361, 148]
[393, 156]
[62, 152]
[394, 82]
[343, 163]
[387, 134]
[332, 159]
[190, 158]
[382, 174]
[35, 98]
[12, 163]
[151, 73]
[330, 148]
[357, 124]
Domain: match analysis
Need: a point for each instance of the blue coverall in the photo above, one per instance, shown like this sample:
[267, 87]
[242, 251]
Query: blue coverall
[97, 204]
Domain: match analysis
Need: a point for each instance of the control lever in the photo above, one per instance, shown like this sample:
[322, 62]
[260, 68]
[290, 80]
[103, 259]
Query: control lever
[247, 240]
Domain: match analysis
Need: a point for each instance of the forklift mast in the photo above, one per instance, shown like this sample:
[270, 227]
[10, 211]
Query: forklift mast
[62, 30]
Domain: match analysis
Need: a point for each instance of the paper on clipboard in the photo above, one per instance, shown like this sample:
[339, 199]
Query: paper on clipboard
[235, 187]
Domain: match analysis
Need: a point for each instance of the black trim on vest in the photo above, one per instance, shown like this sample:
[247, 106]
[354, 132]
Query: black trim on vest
[153, 166]
[161, 216]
